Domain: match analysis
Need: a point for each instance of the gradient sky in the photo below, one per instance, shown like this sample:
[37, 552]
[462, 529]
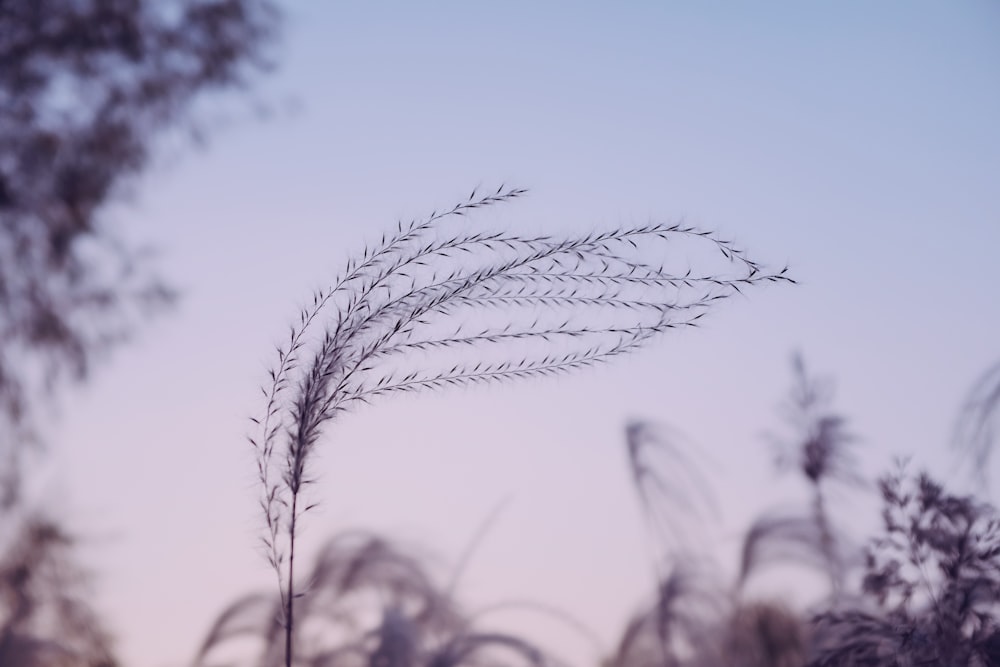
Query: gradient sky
[856, 141]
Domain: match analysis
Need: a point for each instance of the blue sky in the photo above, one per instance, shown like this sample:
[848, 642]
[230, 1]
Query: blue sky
[855, 141]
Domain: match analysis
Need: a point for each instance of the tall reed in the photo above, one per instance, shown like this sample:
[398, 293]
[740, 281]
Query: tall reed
[439, 303]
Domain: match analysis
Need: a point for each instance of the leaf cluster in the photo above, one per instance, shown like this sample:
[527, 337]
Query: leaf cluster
[933, 577]
[85, 88]
[45, 616]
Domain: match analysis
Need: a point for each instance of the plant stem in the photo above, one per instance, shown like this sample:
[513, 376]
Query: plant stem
[827, 544]
[289, 620]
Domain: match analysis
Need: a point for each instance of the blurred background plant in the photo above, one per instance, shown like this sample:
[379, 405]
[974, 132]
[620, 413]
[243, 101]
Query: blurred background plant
[925, 591]
[931, 589]
[88, 91]
[45, 617]
[368, 603]
[695, 618]
[819, 448]
[977, 427]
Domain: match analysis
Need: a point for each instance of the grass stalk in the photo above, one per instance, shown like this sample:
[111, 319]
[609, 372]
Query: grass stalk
[437, 304]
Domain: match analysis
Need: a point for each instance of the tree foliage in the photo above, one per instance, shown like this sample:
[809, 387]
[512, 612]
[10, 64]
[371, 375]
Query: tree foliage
[932, 584]
[45, 615]
[85, 87]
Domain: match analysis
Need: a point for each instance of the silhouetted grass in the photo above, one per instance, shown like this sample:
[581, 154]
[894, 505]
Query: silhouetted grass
[432, 306]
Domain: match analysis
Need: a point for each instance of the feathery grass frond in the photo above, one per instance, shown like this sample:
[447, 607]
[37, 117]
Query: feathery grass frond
[438, 304]
[789, 538]
[668, 482]
[977, 429]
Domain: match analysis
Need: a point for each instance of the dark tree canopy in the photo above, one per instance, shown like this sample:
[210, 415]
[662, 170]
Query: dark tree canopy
[931, 587]
[85, 87]
[44, 602]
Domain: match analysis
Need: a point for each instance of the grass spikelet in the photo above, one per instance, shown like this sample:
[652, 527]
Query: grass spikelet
[443, 303]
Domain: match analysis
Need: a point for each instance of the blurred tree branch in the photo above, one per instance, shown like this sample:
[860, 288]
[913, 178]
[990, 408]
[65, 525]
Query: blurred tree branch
[85, 88]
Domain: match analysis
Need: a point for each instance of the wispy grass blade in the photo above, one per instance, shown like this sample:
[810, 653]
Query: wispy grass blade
[437, 304]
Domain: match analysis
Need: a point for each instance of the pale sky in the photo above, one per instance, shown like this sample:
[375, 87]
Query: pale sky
[856, 141]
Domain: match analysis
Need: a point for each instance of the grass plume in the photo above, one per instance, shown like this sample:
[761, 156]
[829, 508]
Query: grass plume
[978, 426]
[441, 303]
